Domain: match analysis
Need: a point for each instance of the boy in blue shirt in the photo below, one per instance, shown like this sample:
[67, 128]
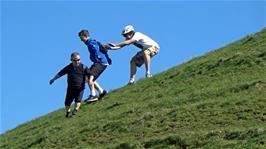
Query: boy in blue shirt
[100, 59]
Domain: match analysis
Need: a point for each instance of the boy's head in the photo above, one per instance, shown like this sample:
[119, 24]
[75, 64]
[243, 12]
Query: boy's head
[128, 31]
[84, 35]
[75, 58]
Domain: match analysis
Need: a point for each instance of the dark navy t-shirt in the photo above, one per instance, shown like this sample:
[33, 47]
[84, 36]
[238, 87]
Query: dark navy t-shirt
[75, 75]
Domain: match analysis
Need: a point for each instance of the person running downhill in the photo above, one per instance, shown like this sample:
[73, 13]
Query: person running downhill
[76, 76]
[100, 59]
[149, 48]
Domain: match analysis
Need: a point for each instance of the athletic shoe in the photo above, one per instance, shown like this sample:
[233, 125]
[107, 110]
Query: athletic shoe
[91, 99]
[103, 94]
[131, 81]
[74, 112]
[68, 115]
[148, 75]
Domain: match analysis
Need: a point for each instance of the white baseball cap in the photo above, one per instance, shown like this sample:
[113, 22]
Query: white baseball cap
[127, 29]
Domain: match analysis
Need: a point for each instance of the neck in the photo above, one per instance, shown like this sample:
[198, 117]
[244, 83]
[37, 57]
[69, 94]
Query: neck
[75, 65]
[87, 39]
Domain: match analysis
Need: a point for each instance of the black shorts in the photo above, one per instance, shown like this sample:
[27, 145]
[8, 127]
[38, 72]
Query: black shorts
[96, 70]
[73, 93]
[138, 59]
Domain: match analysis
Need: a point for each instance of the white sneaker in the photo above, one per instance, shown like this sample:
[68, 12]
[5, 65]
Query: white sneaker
[148, 75]
[131, 81]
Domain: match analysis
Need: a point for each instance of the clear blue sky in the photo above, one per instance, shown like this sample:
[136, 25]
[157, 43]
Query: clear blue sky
[38, 37]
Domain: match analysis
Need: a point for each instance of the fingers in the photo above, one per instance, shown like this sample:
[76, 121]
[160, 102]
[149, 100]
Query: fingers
[111, 44]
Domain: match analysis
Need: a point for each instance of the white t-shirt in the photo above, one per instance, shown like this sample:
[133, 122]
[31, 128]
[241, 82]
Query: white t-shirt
[143, 41]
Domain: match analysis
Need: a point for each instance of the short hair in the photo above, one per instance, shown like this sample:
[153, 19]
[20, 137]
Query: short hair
[74, 54]
[84, 32]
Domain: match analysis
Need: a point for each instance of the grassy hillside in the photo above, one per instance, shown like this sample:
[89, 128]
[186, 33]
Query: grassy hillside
[214, 101]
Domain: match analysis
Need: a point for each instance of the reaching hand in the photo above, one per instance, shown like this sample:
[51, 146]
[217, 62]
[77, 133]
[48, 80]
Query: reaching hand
[109, 46]
[106, 47]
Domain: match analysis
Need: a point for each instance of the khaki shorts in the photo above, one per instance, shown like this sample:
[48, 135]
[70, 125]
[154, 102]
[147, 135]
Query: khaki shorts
[138, 59]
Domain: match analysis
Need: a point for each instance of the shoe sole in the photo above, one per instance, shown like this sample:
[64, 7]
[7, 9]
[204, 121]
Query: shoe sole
[91, 101]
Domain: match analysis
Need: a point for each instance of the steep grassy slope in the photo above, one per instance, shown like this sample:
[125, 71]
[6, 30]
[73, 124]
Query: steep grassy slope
[214, 101]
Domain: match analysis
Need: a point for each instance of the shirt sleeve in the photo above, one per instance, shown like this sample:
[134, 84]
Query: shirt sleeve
[64, 71]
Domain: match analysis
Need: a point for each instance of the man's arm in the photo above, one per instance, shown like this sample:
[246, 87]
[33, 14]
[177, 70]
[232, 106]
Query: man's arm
[111, 46]
[125, 43]
[121, 44]
[59, 74]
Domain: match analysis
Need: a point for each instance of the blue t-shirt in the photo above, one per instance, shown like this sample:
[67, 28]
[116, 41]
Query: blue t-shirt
[96, 56]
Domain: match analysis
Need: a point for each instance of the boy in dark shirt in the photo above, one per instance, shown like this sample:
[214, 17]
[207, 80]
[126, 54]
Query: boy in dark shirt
[76, 77]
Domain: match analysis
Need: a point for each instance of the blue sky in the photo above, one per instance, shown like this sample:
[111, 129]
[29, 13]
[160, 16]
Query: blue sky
[38, 37]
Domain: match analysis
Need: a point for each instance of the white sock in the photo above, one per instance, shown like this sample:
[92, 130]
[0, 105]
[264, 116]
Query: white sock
[148, 72]
[93, 93]
[98, 87]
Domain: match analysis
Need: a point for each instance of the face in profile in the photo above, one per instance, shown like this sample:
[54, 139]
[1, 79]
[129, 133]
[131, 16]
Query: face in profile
[128, 35]
[83, 38]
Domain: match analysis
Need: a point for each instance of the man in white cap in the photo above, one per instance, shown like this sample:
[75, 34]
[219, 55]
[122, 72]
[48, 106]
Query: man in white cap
[149, 48]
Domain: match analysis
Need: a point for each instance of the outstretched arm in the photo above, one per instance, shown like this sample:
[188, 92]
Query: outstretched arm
[126, 42]
[62, 72]
[120, 45]
[111, 46]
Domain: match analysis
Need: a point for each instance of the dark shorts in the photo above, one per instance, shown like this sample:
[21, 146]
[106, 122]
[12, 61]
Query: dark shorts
[73, 93]
[138, 59]
[96, 70]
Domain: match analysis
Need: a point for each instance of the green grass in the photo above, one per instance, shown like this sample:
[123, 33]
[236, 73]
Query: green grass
[214, 101]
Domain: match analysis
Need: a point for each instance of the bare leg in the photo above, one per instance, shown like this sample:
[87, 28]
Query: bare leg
[67, 111]
[77, 105]
[67, 108]
[147, 61]
[91, 85]
[133, 70]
